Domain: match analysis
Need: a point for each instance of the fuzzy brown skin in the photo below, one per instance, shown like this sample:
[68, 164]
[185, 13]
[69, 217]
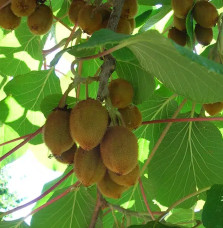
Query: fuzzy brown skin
[88, 166]
[40, 21]
[119, 150]
[205, 14]
[132, 23]
[120, 93]
[67, 157]
[109, 188]
[8, 20]
[182, 7]
[131, 116]
[89, 19]
[177, 36]
[22, 8]
[124, 26]
[56, 132]
[203, 36]
[179, 23]
[74, 9]
[213, 109]
[126, 180]
[88, 123]
[129, 9]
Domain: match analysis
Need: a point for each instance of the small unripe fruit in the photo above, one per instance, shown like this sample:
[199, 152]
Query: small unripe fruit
[120, 93]
[88, 166]
[23, 8]
[205, 14]
[204, 36]
[124, 26]
[179, 23]
[177, 36]
[109, 188]
[126, 180]
[89, 19]
[131, 116]
[8, 20]
[40, 21]
[129, 9]
[74, 9]
[119, 150]
[88, 123]
[181, 7]
[213, 109]
[67, 157]
[56, 132]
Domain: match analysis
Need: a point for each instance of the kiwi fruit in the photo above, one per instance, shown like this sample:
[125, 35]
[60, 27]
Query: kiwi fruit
[56, 132]
[40, 21]
[88, 123]
[8, 20]
[119, 150]
[67, 157]
[74, 9]
[177, 36]
[88, 166]
[203, 36]
[181, 7]
[129, 9]
[89, 19]
[109, 188]
[179, 23]
[214, 108]
[126, 180]
[205, 14]
[120, 93]
[124, 26]
[132, 23]
[131, 116]
[23, 8]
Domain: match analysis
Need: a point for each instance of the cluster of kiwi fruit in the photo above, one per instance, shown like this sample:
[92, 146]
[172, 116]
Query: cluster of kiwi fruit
[91, 18]
[102, 152]
[39, 16]
[204, 13]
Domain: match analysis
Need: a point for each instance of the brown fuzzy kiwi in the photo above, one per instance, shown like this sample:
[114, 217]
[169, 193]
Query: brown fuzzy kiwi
[129, 9]
[109, 188]
[8, 20]
[132, 23]
[203, 36]
[67, 157]
[126, 180]
[119, 150]
[120, 93]
[177, 36]
[89, 19]
[131, 116]
[179, 23]
[56, 132]
[182, 7]
[40, 21]
[88, 123]
[88, 166]
[124, 26]
[22, 8]
[74, 9]
[205, 14]
[213, 109]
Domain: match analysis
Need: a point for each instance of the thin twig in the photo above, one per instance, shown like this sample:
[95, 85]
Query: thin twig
[39, 197]
[145, 200]
[71, 36]
[58, 19]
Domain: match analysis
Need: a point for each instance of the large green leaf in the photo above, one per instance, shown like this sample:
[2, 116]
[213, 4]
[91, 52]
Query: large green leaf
[154, 224]
[13, 224]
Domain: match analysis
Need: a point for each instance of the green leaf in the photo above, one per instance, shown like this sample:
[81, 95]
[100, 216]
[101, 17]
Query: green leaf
[189, 158]
[73, 210]
[13, 224]
[154, 224]
[154, 2]
[212, 215]
[29, 89]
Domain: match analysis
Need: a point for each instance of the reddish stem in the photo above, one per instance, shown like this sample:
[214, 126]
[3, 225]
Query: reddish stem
[199, 119]
[58, 19]
[39, 197]
[31, 136]
[145, 200]
[5, 4]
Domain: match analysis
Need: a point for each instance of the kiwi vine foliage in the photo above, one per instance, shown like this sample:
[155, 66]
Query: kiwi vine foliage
[189, 158]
